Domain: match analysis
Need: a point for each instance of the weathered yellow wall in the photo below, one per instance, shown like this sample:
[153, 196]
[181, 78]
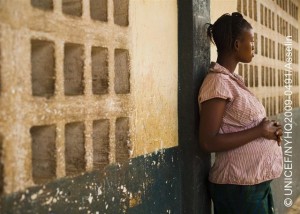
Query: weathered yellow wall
[149, 104]
[154, 65]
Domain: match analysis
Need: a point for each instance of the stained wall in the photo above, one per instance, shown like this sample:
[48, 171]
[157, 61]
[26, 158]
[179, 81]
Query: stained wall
[85, 85]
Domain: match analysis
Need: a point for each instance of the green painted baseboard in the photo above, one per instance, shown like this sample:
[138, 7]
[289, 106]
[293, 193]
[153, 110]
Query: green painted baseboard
[145, 184]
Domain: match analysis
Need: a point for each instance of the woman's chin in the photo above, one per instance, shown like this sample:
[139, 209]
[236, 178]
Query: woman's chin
[246, 60]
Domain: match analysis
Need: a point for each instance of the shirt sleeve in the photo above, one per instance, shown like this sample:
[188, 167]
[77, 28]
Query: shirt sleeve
[215, 86]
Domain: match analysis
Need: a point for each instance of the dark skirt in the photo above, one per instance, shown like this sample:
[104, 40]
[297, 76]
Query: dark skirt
[242, 199]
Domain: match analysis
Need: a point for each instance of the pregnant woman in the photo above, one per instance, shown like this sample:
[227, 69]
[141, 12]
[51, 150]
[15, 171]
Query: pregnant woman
[233, 124]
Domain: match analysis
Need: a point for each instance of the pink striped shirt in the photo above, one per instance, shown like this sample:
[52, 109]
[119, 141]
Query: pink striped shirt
[257, 161]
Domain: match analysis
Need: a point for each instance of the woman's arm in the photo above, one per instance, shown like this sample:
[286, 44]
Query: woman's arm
[212, 112]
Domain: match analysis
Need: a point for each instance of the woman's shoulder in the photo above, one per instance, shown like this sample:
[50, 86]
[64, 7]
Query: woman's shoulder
[217, 71]
[217, 77]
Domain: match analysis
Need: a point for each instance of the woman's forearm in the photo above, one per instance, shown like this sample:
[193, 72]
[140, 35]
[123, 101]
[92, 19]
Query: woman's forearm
[223, 142]
[211, 120]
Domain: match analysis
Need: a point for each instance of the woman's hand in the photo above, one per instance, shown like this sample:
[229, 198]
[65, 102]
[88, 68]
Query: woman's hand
[271, 130]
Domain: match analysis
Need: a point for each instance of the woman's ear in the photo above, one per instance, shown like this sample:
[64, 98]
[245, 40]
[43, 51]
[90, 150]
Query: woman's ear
[236, 45]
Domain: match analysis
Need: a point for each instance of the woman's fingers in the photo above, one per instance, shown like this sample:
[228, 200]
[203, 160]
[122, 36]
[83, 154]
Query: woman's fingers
[279, 140]
[273, 130]
[277, 123]
[279, 132]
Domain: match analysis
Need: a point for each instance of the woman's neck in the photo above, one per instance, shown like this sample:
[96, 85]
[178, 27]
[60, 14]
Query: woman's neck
[227, 62]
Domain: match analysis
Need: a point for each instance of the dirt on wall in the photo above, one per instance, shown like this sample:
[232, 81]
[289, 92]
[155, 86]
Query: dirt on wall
[94, 80]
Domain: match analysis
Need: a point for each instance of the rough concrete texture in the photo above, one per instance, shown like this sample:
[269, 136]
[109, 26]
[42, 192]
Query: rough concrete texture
[72, 7]
[100, 70]
[100, 143]
[74, 148]
[73, 69]
[42, 68]
[121, 12]
[45, 4]
[54, 72]
[123, 147]
[122, 72]
[98, 9]
[43, 153]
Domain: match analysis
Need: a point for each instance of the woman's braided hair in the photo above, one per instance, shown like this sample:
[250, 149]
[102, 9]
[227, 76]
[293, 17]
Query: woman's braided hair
[226, 30]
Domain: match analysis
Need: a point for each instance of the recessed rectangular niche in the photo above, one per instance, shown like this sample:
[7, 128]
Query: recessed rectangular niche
[267, 76]
[262, 75]
[240, 69]
[100, 70]
[122, 139]
[74, 148]
[42, 68]
[256, 75]
[121, 12]
[251, 76]
[72, 7]
[98, 10]
[73, 69]
[246, 74]
[1, 166]
[122, 75]
[100, 143]
[43, 148]
[42, 4]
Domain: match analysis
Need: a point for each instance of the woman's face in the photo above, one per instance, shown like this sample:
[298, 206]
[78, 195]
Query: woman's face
[244, 46]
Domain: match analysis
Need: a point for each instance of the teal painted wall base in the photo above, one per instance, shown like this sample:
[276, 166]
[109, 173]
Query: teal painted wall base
[146, 184]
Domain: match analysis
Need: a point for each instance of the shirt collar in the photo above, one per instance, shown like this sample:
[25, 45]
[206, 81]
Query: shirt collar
[217, 68]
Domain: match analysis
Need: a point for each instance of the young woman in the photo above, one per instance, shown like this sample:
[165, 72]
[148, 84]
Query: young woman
[233, 124]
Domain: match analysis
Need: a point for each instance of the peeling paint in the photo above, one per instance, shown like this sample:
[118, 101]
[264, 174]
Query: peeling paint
[135, 200]
[99, 191]
[90, 199]
[123, 188]
[33, 197]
